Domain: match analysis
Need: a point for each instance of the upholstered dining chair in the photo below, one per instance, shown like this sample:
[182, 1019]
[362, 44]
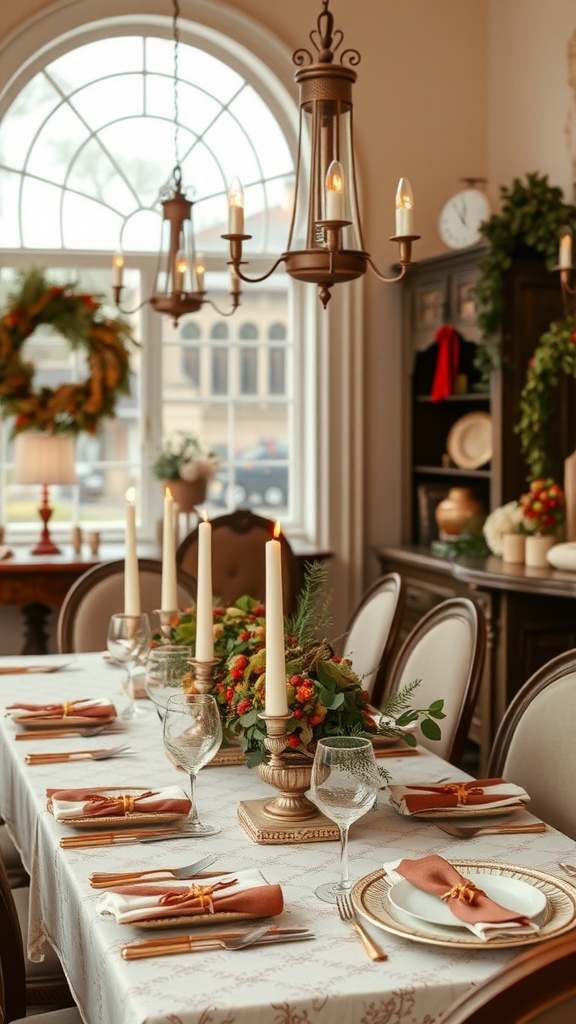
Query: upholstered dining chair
[534, 745]
[372, 632]
[91, 600]
[445, 650]
[239, 558]
[538, 986]
[23, 984]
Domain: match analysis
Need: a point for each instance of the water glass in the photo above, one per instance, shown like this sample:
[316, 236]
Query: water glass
[167, 672]
[345, 785]
[128, 640]
[192, 737]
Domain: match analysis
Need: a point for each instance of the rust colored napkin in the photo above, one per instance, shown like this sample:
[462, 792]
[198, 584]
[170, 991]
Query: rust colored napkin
[82, 708]
[87, 803]
[245, 893]
[470, 905]
[464, 796]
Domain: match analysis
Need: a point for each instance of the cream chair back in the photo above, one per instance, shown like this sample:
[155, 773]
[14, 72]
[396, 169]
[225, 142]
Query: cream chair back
[445, 651]
[99, 592]
[372, 632]
[535, 747]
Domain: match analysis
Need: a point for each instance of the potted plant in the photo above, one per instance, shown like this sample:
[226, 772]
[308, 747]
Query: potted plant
[185, 466]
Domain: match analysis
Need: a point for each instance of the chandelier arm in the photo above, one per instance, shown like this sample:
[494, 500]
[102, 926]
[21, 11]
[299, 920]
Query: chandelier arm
[382, 277]
[235, 304]
[255, 280]
[126, 312]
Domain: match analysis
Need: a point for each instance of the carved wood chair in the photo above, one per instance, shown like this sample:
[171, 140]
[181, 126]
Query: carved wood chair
[238, 558]
[372, 632]
[538, 986]
[99, 592]
[534, 746]
[446, 650]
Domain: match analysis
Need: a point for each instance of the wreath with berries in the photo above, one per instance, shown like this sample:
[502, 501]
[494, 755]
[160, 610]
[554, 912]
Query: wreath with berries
[71, 407]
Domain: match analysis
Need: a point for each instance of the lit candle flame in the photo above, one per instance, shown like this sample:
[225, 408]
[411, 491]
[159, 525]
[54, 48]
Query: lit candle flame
[277, 530]
[205, 516]
[167, 492]
[131, 494]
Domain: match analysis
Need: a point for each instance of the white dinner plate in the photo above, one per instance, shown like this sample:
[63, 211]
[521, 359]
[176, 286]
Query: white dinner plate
[521, 897]
[370, 899]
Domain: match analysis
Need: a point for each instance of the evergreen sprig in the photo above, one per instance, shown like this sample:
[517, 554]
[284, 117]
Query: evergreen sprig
[311, 620]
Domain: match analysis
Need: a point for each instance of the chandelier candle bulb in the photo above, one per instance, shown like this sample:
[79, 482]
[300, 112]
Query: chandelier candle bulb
[565, 252]
[169, 599]
[236, 208]
[204, 616]
[276, 696]
[404, 208]
[335, 191]
[131, 580]
[179, 271]
[117, 269]
[199, 271]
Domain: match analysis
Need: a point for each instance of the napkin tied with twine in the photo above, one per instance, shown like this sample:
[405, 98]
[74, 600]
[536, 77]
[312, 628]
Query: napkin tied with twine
[464, 795]
[87, 803]
[245, 893]
[87, 708]
[469, 904]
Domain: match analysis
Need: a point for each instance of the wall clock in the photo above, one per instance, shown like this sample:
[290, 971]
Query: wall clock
[461, 216]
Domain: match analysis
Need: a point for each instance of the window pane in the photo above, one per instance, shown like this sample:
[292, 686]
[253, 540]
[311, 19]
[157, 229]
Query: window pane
[277, 371]
[248, 371]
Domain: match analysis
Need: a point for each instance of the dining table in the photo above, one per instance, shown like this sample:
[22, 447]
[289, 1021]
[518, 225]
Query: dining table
[327, 978]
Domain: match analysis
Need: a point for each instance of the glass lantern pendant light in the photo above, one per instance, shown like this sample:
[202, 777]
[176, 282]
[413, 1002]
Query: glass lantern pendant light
[179, 286]
[325, 245]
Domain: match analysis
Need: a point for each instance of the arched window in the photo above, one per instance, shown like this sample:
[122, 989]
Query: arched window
[86, 143]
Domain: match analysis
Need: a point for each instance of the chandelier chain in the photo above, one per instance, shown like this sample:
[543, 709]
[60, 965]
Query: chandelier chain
[176, 37]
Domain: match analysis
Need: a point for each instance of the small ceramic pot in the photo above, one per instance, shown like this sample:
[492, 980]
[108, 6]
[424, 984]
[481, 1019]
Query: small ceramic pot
[537, 547]
[514, 548]
[456, 510]
[187, 493]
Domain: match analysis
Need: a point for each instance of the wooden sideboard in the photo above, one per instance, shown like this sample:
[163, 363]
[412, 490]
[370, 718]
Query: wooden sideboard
[530, 615]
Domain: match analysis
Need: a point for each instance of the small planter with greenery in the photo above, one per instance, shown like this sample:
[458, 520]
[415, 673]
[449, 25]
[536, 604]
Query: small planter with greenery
[186, 467]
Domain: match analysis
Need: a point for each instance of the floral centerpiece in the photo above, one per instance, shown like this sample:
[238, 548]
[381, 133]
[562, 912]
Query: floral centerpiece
[503, 520]
[542, 507]
[325, 695]
[186, 466]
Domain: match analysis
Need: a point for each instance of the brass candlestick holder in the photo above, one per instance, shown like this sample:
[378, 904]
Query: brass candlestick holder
[204, 674]
[166, 620]
[290, 817]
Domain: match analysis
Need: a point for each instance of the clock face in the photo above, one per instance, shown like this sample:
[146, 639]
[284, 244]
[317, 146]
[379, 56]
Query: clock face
[461, 217]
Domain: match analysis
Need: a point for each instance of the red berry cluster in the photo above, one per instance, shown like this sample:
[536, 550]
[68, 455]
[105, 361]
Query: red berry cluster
[543, 505]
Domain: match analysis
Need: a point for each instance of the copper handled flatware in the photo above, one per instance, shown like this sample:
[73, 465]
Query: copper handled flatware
[105, 879]
[55, 734]
[348, 914]
[79, 755]
[469, 831]
[120, 837]
[10, 670]
[261, 936]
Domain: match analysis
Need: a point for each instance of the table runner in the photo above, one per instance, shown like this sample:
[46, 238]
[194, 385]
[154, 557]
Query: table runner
[321, 981]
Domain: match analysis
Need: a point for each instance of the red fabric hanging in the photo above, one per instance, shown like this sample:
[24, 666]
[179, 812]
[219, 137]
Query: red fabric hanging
[446, 363]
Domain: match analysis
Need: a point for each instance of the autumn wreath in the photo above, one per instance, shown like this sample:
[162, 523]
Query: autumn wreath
[71, 407]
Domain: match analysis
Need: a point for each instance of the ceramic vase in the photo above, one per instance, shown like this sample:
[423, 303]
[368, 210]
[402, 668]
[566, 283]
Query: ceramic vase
[514, 549]
[187, 494]
[537, 546]
[455, 511]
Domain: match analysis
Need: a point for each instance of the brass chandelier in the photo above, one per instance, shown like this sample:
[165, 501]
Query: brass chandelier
[179, 286]
[325, 245]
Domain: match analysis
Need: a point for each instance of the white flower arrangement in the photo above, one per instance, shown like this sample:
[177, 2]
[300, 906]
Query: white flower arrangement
[505, 519]
[199, 469]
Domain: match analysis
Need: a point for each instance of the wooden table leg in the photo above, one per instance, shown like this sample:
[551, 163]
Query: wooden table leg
[35, 632]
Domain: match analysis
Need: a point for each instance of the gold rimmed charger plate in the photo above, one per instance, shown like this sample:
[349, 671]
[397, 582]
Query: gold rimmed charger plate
[469, 442]
[64, 722]
[370, 898]
[122, 820]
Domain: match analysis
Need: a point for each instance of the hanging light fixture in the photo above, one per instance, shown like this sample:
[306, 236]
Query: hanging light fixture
[325, 245]
[179, 287]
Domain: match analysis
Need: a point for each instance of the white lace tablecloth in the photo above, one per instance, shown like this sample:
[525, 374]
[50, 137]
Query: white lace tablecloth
[317, 982]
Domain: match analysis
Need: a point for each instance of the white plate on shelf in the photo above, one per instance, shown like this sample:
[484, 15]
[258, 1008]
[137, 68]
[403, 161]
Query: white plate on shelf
[469, 442]
[512, 893]
[370, 899]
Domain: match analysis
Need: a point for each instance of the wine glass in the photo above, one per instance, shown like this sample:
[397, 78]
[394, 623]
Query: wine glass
[345, 784]
[192, 735]
[167, 669]
[128, 638]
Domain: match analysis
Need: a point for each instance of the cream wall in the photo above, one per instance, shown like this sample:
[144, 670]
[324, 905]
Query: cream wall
[445, 89]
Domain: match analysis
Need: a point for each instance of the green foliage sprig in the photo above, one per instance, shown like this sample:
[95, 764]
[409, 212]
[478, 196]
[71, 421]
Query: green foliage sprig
[554, 355]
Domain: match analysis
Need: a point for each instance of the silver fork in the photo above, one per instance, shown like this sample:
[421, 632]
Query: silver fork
[347, 913]
[79, 755]
[102, 879]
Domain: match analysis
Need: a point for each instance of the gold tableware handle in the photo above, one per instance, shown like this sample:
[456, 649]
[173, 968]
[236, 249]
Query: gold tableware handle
[374, 951]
